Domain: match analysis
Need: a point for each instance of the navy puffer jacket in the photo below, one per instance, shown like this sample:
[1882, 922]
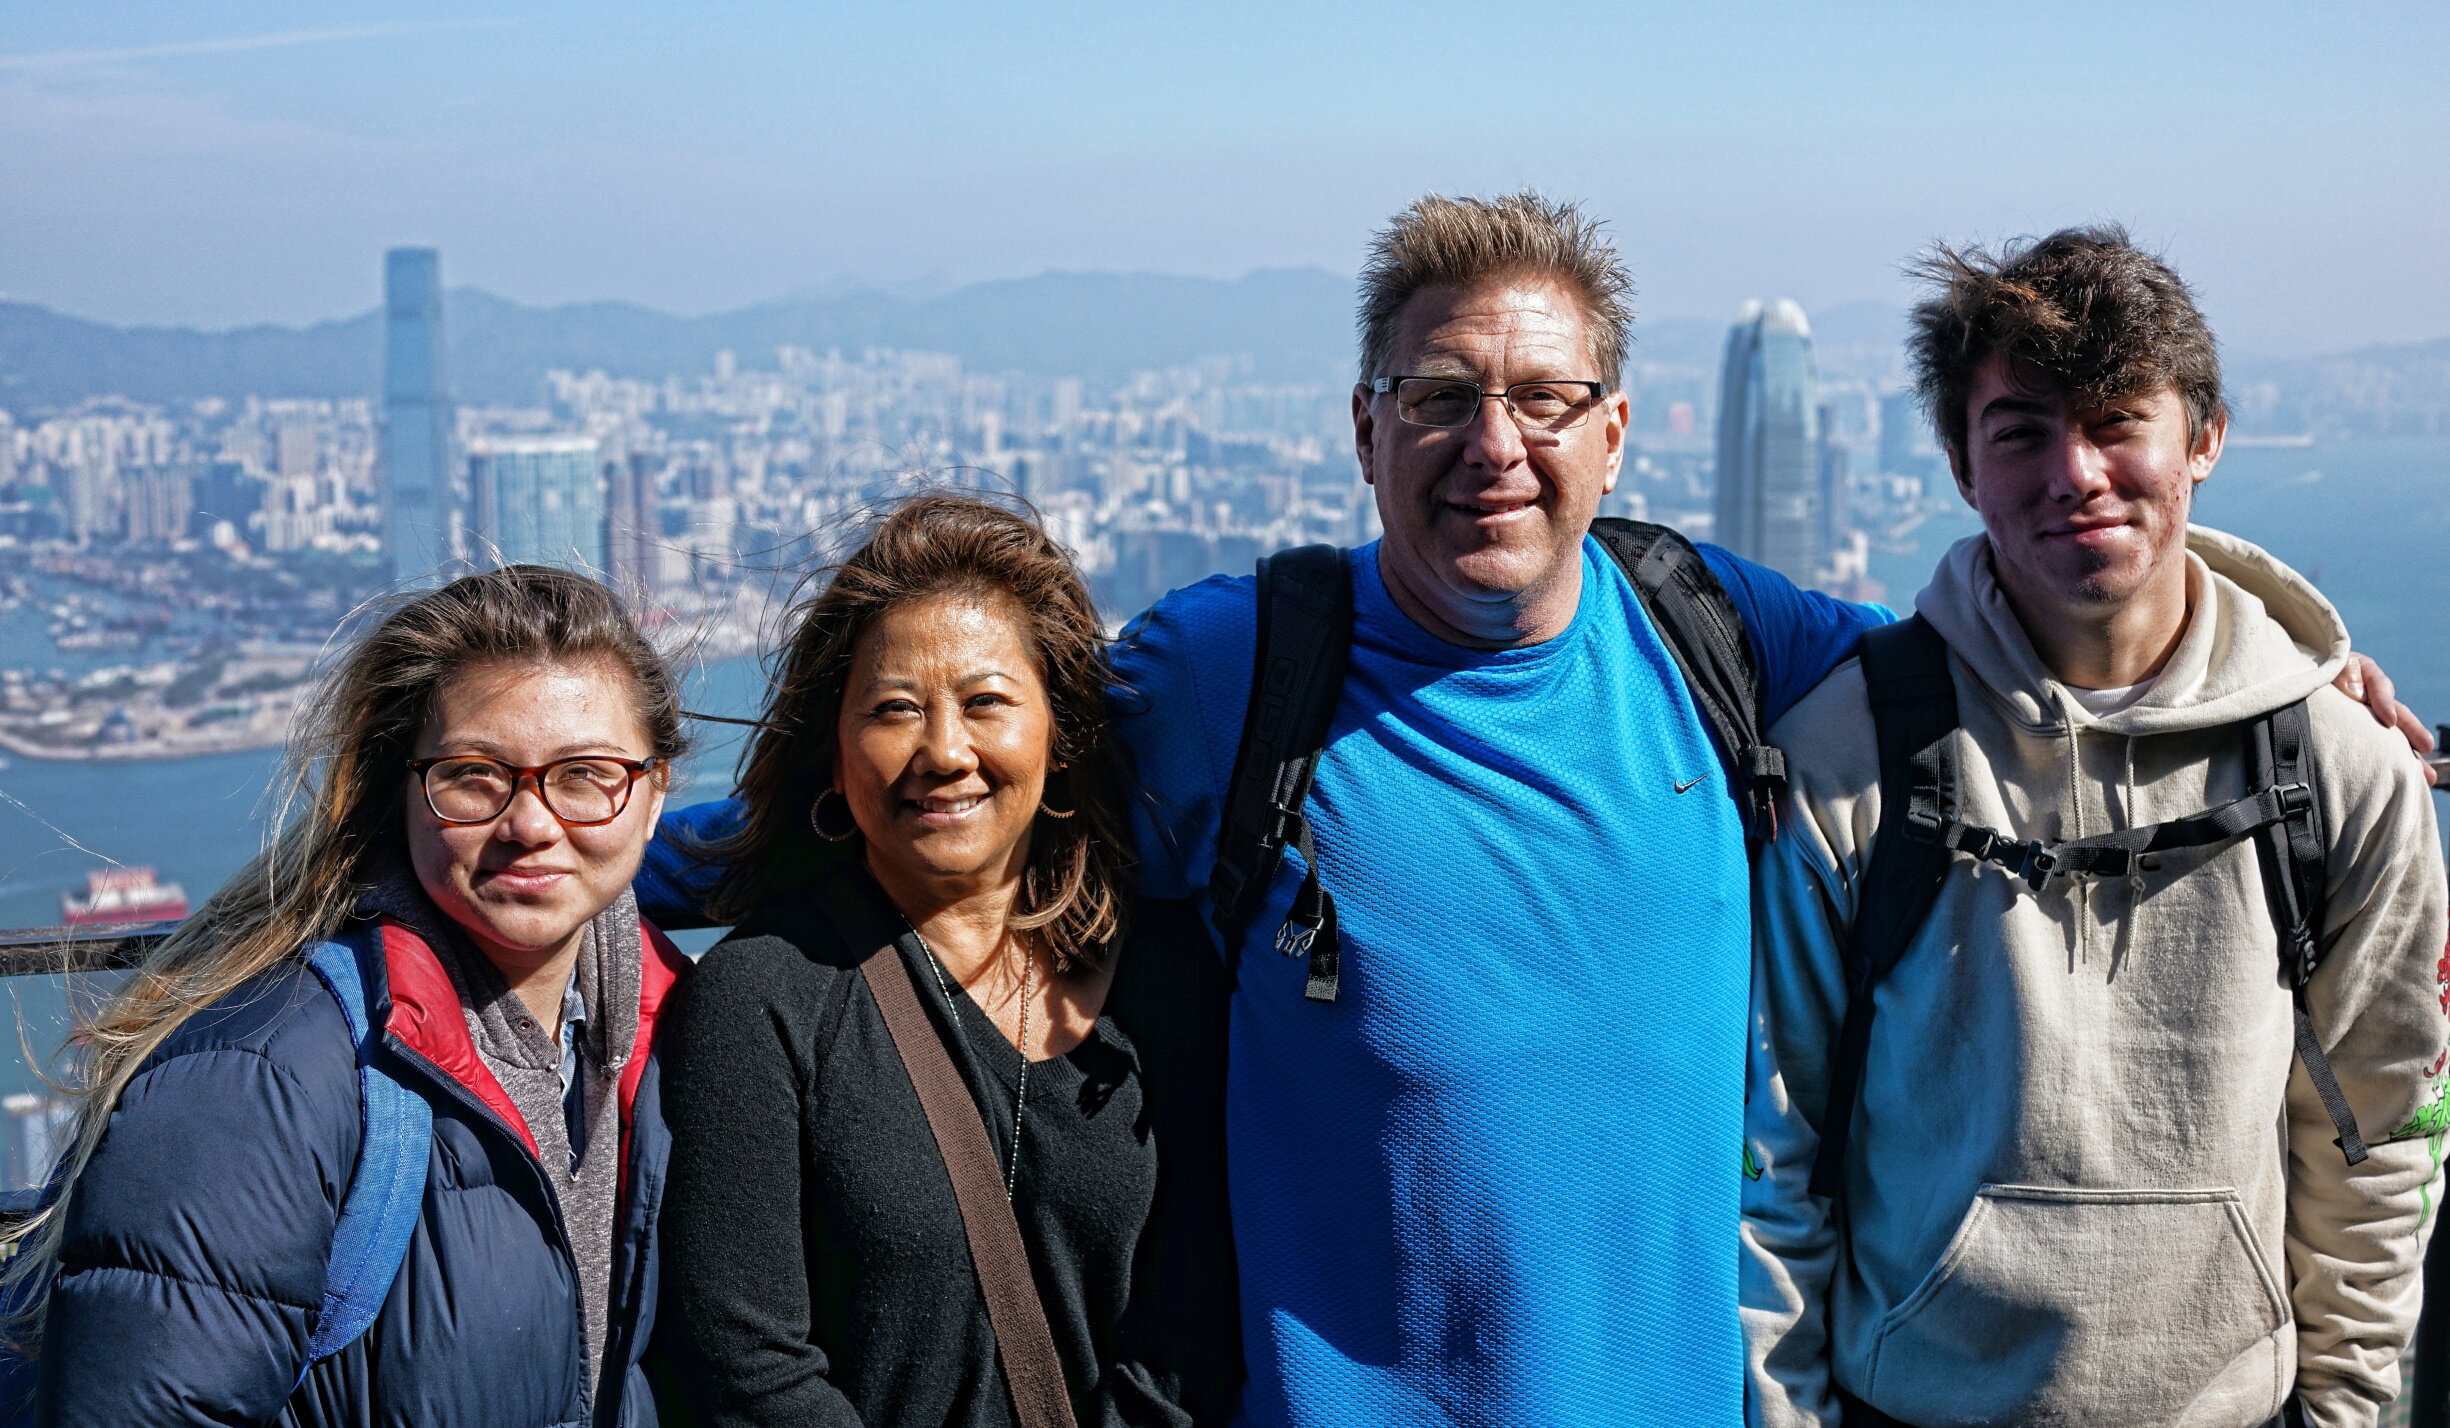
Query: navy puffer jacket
[196, 1238]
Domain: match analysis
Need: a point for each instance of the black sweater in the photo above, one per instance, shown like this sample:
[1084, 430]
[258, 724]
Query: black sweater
[816, 1270]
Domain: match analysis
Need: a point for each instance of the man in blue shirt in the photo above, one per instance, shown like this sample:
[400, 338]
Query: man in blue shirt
[1495, 1180]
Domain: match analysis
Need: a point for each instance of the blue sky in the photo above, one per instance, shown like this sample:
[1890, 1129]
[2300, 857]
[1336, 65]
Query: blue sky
[225, 163]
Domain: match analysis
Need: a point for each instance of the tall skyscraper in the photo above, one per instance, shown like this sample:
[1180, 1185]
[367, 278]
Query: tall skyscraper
[416, 417]
[540, 501]
[1768, 506]
[629, 525]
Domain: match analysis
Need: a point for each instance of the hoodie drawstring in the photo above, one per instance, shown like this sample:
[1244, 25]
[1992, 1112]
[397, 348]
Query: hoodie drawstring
[2135, 902]
[2075, 803]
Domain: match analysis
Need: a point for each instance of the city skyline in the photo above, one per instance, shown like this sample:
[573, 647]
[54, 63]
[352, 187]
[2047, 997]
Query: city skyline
[227, 162]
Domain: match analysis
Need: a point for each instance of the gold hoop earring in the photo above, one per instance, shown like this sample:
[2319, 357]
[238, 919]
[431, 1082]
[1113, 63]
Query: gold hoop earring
[816, 818]
[1052, 812]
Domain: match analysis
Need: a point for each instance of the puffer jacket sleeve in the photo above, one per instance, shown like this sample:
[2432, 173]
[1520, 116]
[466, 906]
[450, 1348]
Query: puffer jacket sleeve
[2356, 1236]
[196, 1236]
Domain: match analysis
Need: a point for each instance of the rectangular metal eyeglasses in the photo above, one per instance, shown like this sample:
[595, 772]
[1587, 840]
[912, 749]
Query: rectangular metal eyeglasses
[1451, 401]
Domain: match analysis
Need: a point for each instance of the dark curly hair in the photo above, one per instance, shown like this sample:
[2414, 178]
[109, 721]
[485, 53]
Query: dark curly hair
[2083, 311]
[935, 544]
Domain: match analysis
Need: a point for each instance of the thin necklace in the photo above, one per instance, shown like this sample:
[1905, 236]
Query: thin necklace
[1012, 1166]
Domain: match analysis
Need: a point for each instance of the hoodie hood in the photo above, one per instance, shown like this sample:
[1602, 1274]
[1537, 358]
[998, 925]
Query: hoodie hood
[2258, 637]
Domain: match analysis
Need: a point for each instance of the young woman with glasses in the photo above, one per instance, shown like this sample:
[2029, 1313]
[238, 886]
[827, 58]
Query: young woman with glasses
[440, 944]
[930, 815]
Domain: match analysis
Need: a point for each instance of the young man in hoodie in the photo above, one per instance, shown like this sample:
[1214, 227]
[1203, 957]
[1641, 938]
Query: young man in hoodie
[2086, 1178]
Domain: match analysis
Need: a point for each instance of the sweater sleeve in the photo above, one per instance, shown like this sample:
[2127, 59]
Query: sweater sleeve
[737, 1319]
[1801, 910]
[195, 1246]
[2356, 1235]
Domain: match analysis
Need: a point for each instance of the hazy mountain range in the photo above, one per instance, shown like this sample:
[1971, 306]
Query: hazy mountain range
[1288, 324]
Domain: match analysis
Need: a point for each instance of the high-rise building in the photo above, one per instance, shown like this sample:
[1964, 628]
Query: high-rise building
[1901, 436]
[229, 492]
[1768, 506]
[539, 501]
[629, 524]
[298, 451]
[1835, 469]
[417, 465]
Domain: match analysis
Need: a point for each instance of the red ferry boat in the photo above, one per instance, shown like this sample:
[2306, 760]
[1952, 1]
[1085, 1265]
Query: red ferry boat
[123, 895]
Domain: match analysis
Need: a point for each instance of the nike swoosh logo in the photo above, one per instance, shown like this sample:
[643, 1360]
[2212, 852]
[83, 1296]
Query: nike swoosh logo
[1687, 785]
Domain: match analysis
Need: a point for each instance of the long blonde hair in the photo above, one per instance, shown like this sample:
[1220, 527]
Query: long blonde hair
[345, 772]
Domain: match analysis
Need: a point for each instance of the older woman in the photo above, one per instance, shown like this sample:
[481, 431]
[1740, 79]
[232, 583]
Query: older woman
[929, 822]
[374, 1138]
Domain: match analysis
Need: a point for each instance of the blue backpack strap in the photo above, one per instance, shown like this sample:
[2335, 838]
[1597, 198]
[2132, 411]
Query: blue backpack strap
[379, 1214]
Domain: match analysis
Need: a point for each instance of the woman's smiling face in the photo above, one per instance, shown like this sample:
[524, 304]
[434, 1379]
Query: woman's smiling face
[523, 883]
[945, 741]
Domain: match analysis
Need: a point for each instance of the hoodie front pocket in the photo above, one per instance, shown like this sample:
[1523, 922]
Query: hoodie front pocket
[2093, 1306]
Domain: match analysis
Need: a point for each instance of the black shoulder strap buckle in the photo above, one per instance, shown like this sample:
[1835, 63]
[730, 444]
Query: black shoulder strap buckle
[1297, 675]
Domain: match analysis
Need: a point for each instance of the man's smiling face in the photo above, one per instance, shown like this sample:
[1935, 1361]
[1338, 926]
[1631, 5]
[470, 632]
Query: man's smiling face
[2084, 507]
[1480, 516]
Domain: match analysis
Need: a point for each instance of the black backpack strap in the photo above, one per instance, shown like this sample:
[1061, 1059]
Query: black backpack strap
[1297, 675]
[1705, 635]
[2119, 853]
[1914, 716]
[2280, 758]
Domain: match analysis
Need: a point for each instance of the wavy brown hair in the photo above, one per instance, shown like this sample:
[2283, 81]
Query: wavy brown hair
[936, 544]
[347, 782]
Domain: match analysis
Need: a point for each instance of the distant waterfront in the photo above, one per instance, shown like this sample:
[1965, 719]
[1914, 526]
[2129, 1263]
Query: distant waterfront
[2370, 522]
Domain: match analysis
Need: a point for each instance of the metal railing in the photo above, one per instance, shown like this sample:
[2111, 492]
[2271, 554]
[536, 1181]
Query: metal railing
[94, 947]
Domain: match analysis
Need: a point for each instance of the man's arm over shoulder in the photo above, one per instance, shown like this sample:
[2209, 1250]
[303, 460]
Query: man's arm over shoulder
[1182, 675]
[1803, 910]
[1798, 635]
[2356, 1236]
[680, 872]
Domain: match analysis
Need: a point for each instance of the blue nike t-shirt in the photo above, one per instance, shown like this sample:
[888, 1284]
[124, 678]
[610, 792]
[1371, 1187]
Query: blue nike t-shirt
[1495, 1181]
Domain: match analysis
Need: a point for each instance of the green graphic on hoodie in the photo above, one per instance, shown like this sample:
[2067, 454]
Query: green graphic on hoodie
[1752, 1163]
[2431, 1123]
[2430, 1120]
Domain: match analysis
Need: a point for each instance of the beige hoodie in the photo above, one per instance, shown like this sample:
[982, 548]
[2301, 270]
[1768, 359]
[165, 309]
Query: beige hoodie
[2089, 1183]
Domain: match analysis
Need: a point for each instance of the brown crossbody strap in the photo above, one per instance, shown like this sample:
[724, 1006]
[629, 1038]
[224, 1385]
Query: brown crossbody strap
[1032, 1374]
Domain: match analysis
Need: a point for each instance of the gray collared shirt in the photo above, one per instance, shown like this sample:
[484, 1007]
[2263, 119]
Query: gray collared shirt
[573, 1082]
